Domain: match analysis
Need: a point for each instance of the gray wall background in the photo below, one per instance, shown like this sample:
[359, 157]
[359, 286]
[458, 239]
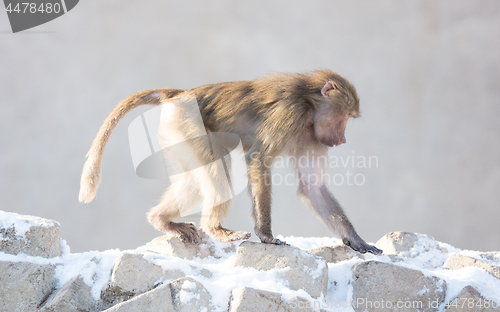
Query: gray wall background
[427, 72]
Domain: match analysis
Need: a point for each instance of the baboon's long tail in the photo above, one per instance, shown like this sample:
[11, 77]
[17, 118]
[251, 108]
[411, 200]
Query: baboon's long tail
[91, 174]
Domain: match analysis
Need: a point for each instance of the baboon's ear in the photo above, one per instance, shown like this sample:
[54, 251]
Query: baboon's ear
[328, 86]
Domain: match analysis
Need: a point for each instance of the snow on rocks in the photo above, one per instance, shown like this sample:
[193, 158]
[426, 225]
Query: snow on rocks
[313, 274]
[133, 275]
[335, 254]
[182, 295]
[470, 300]
[190, 295]
[246, 299]
[30, 235]
[74, 296]
[398, 287]
[406, 244]
[457, 262]
[172, 246]
[24, 285]
[297, 268]
[158, 299]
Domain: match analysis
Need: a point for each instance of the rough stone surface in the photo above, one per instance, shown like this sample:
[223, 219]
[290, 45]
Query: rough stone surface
[457, 261]
[158, 299]
[303, 270]
[246, 299]
[24, 285]
[379, 286]
[139, 283]
[253, 300]
[470, 300]
[133, 275]
[36, 237]
[75, 296]
[182, 295]
[397, 243]
[491, 255]
[335, 254]
[172, 246]
[189, 295]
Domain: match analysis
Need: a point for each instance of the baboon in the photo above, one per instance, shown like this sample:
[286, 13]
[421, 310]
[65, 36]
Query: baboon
[299, 115]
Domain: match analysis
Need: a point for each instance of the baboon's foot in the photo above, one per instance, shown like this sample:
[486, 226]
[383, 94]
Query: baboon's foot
[185, 231]
[359, 245]
[226, 236]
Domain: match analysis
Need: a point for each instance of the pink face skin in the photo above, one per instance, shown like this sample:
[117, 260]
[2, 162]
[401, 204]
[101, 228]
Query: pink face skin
[329, 129]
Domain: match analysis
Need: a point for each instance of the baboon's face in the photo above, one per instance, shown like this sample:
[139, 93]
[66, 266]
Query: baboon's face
[329, 127]
[332, 113]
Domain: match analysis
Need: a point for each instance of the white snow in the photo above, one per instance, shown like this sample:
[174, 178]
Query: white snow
[185, 295]
[22, 223]
[94, 267]
[188, 285]
[427, 256]
[423, 291]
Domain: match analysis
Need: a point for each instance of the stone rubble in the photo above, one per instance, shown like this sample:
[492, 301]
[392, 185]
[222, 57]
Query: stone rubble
[406, 244]
[34, 236]
[25, 285]
[138, 282]
[75, 296]
[188, 295]
[457, 262]
[158, 299]
[375, 280]
[470, 300]
[171, 246]
[335, 254]
[298, 268]
[133, 275]
[246, 299]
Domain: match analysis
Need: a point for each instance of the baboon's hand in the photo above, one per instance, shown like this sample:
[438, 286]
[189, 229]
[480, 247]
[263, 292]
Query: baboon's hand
[359, 245]
[274, 241]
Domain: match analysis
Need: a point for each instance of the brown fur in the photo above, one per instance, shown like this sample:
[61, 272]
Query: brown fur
[293, 114]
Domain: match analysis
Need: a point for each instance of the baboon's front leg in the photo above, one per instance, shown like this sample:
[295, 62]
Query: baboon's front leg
[259, 178]
[312, 187]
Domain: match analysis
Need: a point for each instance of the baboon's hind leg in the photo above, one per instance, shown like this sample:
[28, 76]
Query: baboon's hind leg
[211, 224]
[217, 192]
[168, 209]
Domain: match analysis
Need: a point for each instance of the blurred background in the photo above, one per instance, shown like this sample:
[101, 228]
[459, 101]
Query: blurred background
[427, 73]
